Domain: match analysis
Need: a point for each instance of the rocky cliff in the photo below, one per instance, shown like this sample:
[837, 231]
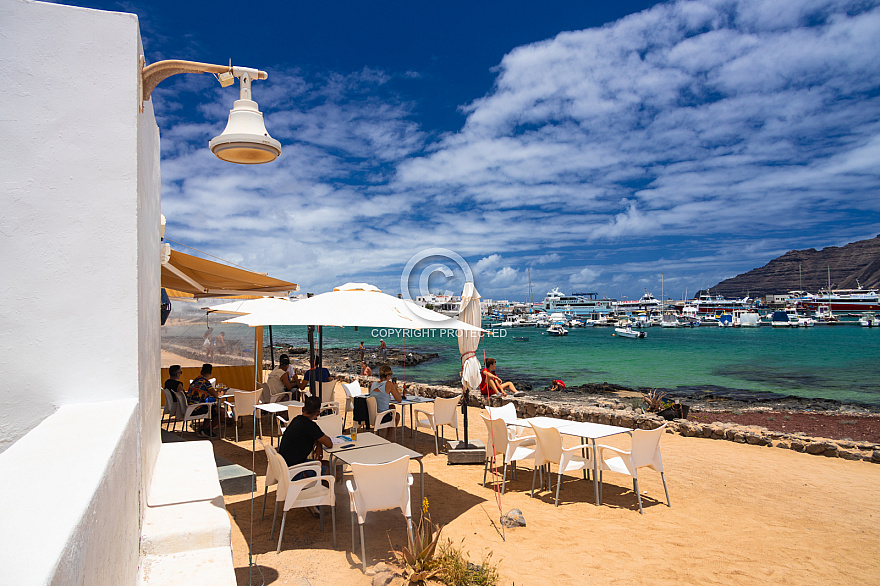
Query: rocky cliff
[857, 262]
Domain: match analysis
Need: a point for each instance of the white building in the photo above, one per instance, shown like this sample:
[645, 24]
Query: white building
[83, 474]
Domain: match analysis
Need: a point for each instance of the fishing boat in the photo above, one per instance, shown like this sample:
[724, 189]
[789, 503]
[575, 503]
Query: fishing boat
[669, 320]
[557, 330]
[628, 332]
[780, 319]
[824, 315]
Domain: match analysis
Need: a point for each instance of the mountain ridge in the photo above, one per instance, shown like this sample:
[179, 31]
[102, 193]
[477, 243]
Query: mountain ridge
[857, 263]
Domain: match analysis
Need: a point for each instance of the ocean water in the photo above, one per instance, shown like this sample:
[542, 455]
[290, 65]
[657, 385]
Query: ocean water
[833, 362]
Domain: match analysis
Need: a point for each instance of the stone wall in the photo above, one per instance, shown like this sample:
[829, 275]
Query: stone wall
[624, 416]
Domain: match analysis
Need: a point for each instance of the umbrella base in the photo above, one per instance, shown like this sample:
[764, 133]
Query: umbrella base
[473, 452]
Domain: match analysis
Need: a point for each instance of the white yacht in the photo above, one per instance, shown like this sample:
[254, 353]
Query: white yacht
[579, 304]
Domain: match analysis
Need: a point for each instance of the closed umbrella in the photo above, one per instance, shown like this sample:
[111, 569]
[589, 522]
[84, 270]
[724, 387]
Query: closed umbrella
[468, 342]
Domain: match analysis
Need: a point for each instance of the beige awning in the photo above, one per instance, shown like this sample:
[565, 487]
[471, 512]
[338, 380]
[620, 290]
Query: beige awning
[185, 275]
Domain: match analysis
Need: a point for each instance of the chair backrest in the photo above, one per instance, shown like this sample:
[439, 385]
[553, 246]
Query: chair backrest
[372, 409]
[352, 389]
[271, 473]
[180, 403]
[245, 402]
[382, 486]
[293, 411]
[331, 406]
[645, 445]
[331, 425]
[549, 445]
[445, 410]
[327, 390]
[506, 412]
[497, 431]
[170, 406]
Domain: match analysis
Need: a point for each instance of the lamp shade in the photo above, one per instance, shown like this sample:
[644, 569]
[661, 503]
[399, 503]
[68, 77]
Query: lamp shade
[245, 139]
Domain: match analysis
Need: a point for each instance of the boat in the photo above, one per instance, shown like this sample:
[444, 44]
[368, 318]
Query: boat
[557, 330]
[824, 315]
[797, 320]
[581, 305]
[669, 320]
[842, 300]
[645, 302]
[714, 304]
[869, 320]
[780, 319]
[628, 332]
[747, 318]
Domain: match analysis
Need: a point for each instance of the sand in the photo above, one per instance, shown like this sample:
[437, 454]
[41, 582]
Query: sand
[740, 514]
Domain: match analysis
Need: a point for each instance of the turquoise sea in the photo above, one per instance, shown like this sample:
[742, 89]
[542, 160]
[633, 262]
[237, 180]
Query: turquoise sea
[832, 362]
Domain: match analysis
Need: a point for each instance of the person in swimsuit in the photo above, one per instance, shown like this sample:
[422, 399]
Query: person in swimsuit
[491, 383]
[383, 391]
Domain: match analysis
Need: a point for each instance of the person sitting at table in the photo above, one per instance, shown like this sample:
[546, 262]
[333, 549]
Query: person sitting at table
[174, 383]
[279, 380]
[302, 437]
[200, 391]
[383, 391]
[321, 375]
[491, 384]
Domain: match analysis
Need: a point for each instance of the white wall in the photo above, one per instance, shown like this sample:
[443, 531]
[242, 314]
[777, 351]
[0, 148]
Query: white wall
[69, 270]
[79, 280]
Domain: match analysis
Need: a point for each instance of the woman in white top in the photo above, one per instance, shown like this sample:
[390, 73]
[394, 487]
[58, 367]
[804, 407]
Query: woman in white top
[383, 391]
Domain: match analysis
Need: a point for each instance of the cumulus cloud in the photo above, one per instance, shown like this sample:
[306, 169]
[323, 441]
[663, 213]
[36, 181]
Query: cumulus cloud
[694, 139]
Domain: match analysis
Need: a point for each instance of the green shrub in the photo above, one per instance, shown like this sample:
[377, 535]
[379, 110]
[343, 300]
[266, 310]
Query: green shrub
[455, 569]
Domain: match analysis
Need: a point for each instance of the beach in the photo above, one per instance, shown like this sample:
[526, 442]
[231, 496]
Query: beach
[741, 514]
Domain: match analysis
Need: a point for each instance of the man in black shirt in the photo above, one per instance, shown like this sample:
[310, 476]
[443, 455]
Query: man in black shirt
[301, 435]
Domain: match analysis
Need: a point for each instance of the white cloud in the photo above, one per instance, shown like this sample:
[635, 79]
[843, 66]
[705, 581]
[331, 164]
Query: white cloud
[696, 139]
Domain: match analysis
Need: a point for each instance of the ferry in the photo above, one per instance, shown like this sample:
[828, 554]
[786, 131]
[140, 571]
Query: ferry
[644, 303]
[842, 300]
[712, 304]
[580, 305]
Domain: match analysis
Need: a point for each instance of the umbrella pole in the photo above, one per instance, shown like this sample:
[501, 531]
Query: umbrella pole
[312, 360]
[271, 348]
[464, 413]
[321, 354]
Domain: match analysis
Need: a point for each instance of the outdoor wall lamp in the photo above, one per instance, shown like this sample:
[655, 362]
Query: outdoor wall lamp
[245, 140]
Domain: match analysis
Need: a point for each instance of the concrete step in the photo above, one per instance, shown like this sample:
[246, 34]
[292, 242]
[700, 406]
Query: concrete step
[205, 566]
[185, 527]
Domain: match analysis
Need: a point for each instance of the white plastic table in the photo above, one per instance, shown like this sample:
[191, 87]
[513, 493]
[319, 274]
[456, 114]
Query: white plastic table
[581, 429]
[382, 454]
[411, 400]
[272, 409]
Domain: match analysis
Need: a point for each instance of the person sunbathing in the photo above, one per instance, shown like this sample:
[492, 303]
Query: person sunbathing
[492, 384]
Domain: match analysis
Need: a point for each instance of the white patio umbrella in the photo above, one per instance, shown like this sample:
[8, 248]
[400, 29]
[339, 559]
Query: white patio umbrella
[353, 304]
[246, 306]
[468, 342]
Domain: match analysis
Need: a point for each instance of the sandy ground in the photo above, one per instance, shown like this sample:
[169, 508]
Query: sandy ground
[740, 514]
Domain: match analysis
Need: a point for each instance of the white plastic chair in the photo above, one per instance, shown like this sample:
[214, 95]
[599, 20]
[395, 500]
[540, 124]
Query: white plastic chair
[549, 450]
[331, 425]
[169, 409]
[376, 419]
[329, 408]
[507, 412]
[244, 406]
[445, 413]
[511, 449]
[351, 390]
[292, 411]
[306, 492]
[645, 451]
[271, 477]
[185, 412]
[379, 487]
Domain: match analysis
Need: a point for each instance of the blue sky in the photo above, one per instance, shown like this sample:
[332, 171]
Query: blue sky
[595, 147]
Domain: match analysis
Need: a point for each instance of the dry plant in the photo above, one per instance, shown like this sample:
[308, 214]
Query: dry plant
[654, 400]
[455, 569]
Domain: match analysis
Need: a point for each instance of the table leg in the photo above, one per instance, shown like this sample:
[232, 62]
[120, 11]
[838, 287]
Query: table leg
[595, 472]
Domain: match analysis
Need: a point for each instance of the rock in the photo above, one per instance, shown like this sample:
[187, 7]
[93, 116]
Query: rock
[514, 518]
[782, 444]
[815, 448]
[382, 574]
[754, 439]
[739, 437]
[849, 454]
[875, 456]
[831, 451]
[797, 446]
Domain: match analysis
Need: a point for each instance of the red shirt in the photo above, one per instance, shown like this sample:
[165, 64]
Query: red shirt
[484, 383]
